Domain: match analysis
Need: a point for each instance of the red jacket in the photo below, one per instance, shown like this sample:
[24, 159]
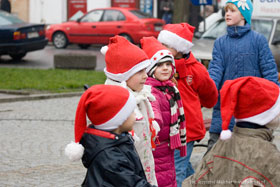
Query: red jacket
[197, 89]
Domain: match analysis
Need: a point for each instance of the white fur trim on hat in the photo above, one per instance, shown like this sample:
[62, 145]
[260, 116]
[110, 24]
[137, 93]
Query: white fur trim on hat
[126, 75]
[172, 40]
[74, 151]
[264, 117]
[159, 55]
[225, 134]
[104, 49]
[121, 116]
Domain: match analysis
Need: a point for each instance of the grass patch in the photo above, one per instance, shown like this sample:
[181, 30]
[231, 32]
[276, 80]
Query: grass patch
[51, 80]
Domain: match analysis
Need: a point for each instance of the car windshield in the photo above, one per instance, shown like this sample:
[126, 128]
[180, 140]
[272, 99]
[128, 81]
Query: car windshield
[219, 29]
[140, 15]
[8, 19]
[262, 26]
[216, 30]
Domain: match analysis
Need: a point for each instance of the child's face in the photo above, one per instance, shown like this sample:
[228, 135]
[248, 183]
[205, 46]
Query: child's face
[163, 71]
[137, 81]
[233, 16]
[127, 125]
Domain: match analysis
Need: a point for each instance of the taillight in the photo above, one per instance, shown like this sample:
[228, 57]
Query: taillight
[18, 35]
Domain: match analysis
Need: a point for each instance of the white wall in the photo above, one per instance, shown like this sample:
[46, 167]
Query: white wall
[91, 4]
[48, 11]
[55, 11]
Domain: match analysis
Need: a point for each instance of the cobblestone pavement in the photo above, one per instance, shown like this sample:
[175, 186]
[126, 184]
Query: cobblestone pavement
[32, 139]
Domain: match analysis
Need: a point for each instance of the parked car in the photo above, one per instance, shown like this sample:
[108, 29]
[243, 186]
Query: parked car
[98, 25]
[18, 37]
[269, 27]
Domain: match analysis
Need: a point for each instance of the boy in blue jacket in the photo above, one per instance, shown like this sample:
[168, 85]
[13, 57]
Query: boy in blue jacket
[105, 146]
[241, 52]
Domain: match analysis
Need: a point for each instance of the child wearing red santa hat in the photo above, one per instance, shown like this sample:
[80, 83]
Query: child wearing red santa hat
[195, 86]
[126, 66]
[246, 156]
[168, 109]
[106, 149]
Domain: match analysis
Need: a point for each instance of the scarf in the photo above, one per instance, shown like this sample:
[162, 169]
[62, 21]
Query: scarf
[146, 96]
[177, 125]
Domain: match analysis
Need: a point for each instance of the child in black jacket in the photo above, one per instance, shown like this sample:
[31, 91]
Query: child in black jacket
[106, 149]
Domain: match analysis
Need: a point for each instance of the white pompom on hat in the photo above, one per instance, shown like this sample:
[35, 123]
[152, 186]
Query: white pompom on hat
[106, 106]
[177, 36]
[123, 59]
[156, 52]
[250, 99]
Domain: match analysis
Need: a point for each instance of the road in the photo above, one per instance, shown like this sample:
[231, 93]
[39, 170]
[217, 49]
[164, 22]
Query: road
[32, 139]
[43, 59]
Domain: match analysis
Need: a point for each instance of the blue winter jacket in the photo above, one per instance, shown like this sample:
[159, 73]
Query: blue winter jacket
[241, 52]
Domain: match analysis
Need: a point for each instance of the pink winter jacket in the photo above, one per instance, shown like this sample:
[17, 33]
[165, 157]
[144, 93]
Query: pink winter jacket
[163, 155]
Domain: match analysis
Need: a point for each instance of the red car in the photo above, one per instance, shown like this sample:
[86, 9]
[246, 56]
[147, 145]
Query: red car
[98, 25]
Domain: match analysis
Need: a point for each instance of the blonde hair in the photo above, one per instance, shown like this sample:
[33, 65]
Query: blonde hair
[230, 6]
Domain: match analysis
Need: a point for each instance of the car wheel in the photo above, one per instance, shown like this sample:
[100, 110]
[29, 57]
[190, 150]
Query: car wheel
[17, 57]
[60, 40]
[84, 46]
[127, 37]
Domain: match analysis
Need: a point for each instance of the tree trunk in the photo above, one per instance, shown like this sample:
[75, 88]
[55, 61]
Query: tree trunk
[185, 11]
[181, 11]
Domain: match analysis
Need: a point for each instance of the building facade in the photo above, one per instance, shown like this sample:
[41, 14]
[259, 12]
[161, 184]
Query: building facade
[58, 11]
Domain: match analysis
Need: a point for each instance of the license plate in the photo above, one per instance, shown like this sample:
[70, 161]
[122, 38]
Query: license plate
[32, 35]
[158, 28]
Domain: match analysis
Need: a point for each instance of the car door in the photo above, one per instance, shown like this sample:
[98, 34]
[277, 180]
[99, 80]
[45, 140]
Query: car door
[85, 31]
[112, 23]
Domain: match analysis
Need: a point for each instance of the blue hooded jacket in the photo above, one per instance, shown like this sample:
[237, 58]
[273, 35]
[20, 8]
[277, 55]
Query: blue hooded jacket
[241, 52]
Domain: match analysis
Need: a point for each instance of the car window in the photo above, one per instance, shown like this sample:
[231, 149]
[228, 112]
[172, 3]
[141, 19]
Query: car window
[93, 16]
[140, 15]
[216, 30]
[262, 26]
[276, 38]
[113, 15]
[8, 19]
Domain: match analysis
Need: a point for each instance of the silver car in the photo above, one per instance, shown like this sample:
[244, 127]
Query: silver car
[269, 27]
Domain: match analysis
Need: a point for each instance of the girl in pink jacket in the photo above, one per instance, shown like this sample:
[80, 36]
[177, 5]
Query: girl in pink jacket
[168, 111]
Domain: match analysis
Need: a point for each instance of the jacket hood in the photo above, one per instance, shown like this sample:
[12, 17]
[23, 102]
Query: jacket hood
[262, 133]
[94, 144]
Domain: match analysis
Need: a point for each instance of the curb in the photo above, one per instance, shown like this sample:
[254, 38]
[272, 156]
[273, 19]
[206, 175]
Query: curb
[38, 97]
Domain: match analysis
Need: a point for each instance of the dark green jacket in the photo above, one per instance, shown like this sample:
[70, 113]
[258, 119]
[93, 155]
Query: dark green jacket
[249, 155]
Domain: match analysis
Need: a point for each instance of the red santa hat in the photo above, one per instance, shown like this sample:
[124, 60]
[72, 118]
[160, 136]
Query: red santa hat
[123, 59]
[156, 52]
[106, 106]
[177, 36]
[249, 99]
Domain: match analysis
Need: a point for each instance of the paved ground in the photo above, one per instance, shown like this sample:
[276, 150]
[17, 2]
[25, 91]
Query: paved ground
[32, 139]
[44, 59]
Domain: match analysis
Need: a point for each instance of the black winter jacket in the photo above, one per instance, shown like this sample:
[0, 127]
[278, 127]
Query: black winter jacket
[111, 160]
